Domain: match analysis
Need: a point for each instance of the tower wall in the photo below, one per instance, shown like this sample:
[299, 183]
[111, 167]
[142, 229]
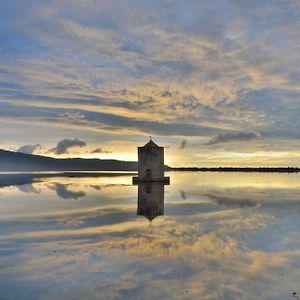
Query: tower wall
[151, 162]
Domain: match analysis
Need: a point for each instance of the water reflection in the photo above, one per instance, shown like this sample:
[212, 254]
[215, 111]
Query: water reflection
[223, 236]
[28, 188]
[150, 200]
[63, 192]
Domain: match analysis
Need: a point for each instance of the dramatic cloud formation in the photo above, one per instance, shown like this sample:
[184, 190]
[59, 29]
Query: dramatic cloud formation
[29, 149]
[64, 145]
[234, 137]
[113, 74]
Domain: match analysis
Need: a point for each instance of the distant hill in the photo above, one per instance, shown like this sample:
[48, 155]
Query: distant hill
[16, 161]
[239, 169]
[20, 162]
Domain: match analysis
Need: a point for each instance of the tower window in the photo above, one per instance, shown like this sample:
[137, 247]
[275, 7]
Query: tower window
[148, 173]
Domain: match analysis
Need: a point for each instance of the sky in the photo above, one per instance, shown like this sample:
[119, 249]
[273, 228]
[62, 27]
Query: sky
[215, 82]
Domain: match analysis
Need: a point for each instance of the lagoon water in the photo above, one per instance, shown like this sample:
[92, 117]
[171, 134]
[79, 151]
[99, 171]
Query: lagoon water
[221, 236]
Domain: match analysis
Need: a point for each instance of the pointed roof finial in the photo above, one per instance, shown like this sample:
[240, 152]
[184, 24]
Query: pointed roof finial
[150, 138]
[150, 144]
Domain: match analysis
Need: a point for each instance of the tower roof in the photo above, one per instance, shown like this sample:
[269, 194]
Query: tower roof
[150, 144]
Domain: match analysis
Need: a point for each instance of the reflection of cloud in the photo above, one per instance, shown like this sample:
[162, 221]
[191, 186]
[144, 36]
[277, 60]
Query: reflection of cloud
[96, 187]
[63, 192]
[224, 200]
[64, 145]
[28, 188]
[182, 194]
[233, 137]
[188, 256]
[252, 197]
[198, 250]
[166, 256]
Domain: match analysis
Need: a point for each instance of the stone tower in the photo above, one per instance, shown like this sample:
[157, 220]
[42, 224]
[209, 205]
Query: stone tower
[151, 164]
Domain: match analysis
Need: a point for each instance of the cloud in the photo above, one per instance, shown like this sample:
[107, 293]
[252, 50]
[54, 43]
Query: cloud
[29, 149]
[229, 74]
[100, 150]
[233, 137]
[183, 144]
[64, 145]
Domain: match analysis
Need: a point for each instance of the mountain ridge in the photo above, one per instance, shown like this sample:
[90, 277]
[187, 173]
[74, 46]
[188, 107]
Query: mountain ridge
[11, 161]
[18, 161]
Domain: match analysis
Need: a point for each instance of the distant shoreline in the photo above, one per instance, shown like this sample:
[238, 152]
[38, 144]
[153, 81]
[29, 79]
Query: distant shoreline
[10, 179]
[238, 169]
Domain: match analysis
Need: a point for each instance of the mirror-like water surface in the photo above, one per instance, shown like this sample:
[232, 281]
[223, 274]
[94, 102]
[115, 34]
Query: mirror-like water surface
[205, 236]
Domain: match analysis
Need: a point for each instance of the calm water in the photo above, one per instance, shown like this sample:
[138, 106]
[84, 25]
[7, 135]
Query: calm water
[222, 236]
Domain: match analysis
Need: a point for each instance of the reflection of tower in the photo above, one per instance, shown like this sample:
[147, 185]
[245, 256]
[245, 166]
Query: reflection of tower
[151, 200]
[151, 164]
